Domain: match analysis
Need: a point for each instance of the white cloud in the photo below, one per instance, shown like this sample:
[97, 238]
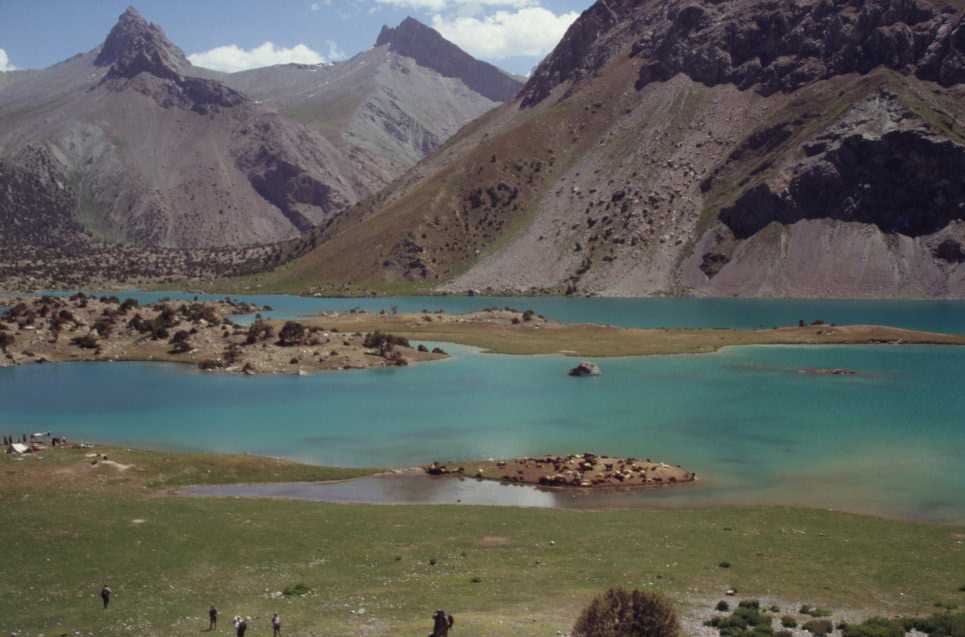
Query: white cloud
[442, 5]
[232, 58]
[5, 64]
[529, 31]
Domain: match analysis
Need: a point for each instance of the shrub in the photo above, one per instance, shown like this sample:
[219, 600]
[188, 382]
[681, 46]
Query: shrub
[944, 624]
[813, 611]
[783, 633]
[259, 331]
[788, 622]
[745, 621]
[210, 364]
[88, 341]
[6, 340]
[874, 627]
[723, 606]
[724, 565]
[819, 627]
[774, 608]
[296, 590]
[378, 340]
[749, 603]
[622, 613]
[291, 333]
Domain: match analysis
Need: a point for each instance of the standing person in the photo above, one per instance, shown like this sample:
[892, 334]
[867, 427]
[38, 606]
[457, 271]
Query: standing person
[212, 618]
[241, 626]
[442, 622]
[275, 625]
[106, 593]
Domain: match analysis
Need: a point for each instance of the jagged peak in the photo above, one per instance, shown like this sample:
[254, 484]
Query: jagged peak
[429, 49]
[408, 29]
[135, 45]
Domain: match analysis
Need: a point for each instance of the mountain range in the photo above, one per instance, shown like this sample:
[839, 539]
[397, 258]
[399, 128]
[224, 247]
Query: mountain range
[665, 147]
[684, 147]
[130, 143]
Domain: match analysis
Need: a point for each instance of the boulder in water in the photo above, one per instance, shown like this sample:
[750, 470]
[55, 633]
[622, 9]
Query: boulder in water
[585, 368]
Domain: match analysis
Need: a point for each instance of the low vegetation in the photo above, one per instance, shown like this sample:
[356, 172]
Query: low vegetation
[622, 613]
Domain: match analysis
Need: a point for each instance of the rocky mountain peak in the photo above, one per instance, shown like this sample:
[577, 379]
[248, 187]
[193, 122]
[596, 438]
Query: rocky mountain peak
[429, 49]
[135, 46]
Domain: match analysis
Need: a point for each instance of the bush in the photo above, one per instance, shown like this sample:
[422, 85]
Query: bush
[783, 633]
[259, 331]
[944, 624]
[745, 621]
[813, 611]
[622, 613]
[88, 341]
[378, 340]
[875, 627]
[819, 627]
[749, 603]
[297, 590]
[724, 565]
[6, 340]
[723, 606]
[788, 622]
[291, 333]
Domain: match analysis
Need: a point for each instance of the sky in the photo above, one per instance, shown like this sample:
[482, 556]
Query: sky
[232, 35]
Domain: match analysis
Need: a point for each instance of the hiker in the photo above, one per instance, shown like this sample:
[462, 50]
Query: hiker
[442, 622]
[106, 593]
[241, 626]
[275, 625]
[212, 618]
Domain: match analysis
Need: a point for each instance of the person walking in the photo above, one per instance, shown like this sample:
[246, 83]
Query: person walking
[442, 622]
[212, 618]
[106, 593]
[241, 626]
[275, 625]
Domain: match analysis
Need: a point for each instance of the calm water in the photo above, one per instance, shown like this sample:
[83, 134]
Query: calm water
[936, 316]
[889, 441]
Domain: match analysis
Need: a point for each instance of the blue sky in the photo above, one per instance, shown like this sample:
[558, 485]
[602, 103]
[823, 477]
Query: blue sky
[236, 34]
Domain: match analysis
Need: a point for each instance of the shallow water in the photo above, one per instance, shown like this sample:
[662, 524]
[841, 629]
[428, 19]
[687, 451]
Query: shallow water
[936, 316]
[889, 441]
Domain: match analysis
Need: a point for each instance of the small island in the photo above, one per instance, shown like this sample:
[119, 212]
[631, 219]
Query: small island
[584, 471]
[48, 329]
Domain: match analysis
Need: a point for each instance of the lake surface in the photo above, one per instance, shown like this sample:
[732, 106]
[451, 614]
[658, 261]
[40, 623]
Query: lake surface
[889, 441]
[935, 316]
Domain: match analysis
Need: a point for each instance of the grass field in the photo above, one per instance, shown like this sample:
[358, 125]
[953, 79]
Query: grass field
[68, 528]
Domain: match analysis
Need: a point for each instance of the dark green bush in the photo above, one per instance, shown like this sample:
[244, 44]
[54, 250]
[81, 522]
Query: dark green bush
[724, 565]
[749, 603]
[938, 625]
[819, 626]
[875, 627]
[622, 613]
[745, 621]
[723, 606]
[788, 622]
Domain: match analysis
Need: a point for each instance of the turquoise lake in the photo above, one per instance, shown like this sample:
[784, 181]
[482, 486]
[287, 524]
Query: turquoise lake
[889, 441]
[936, 316]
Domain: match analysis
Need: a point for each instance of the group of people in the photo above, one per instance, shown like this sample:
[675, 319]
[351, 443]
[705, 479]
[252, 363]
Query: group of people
[442, 621]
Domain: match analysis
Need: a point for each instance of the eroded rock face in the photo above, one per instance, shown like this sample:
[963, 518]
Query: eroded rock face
[880, 165]
[782, 46]
[768, 45]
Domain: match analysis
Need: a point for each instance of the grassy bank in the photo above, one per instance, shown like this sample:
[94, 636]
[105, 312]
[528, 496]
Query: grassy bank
[68, 529]
[603, 341]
